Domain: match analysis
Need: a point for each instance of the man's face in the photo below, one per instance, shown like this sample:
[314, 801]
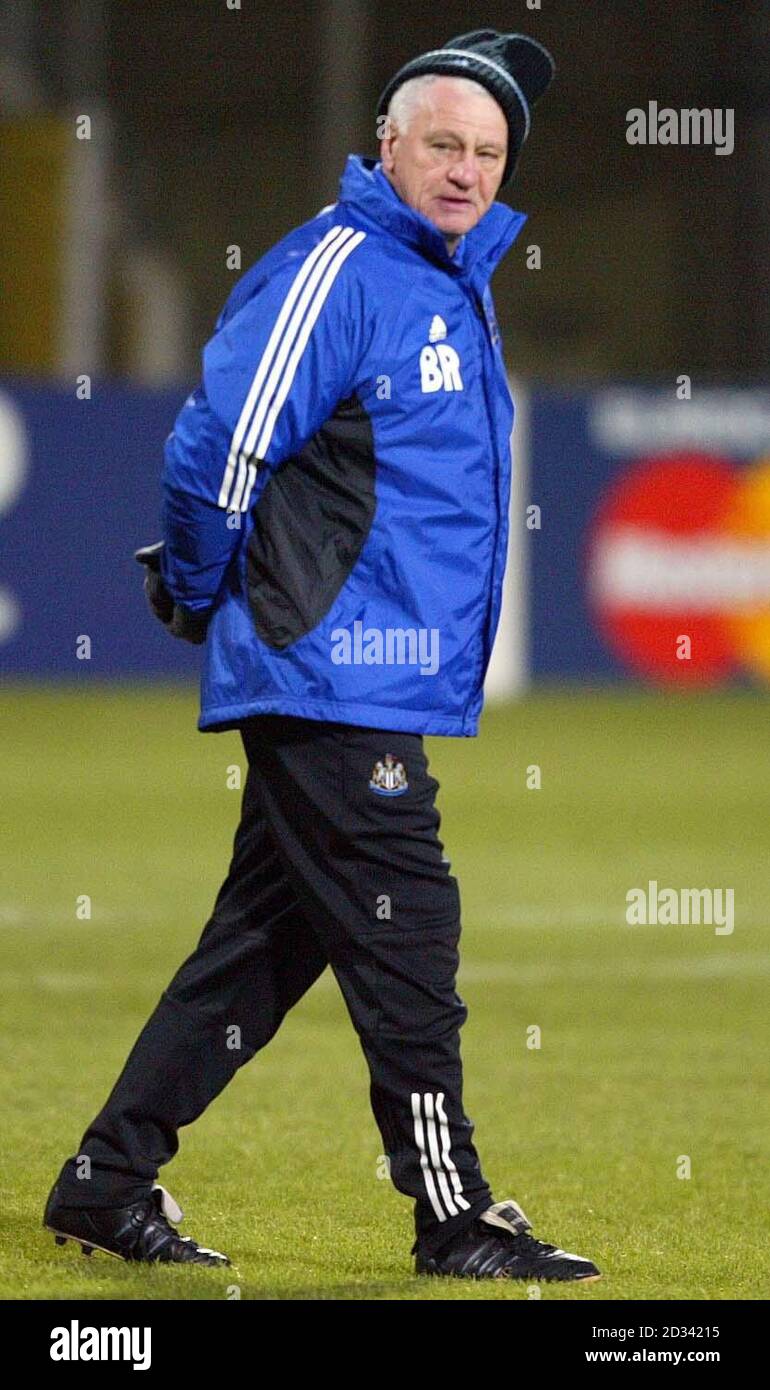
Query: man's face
[449, 162]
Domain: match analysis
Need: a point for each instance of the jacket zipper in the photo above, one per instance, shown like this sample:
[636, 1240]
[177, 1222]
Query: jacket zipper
[488, 348]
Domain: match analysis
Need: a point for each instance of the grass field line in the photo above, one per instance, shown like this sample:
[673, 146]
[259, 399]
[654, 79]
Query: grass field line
[14, 915]
[538, 915]
[749, 965]
[586, 915]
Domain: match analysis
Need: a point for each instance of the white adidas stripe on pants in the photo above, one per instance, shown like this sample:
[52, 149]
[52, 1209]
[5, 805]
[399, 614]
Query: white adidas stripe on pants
[278, 364]
[438, 1168]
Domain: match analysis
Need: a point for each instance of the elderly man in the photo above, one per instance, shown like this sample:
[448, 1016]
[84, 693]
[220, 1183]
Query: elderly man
[335, 528]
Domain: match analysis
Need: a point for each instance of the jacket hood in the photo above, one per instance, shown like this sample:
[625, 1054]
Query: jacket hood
[365, 188]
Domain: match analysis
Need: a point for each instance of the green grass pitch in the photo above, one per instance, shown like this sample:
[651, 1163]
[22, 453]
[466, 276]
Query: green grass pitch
[654, 1039]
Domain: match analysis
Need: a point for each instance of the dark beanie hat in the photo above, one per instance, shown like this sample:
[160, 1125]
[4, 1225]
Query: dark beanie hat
[515, 70]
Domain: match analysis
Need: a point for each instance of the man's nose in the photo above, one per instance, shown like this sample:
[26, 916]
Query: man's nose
[464, 172]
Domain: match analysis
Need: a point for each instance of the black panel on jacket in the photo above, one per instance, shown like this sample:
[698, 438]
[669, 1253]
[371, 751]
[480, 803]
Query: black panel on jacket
[310, 524]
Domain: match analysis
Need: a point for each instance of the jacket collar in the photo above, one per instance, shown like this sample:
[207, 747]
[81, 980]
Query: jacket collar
[364, 188]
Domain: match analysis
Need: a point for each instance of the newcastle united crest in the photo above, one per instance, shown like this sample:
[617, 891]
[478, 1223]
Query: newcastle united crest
[388, 777]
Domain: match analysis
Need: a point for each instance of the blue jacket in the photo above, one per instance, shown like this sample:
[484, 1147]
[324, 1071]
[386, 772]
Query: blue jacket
[336, 490]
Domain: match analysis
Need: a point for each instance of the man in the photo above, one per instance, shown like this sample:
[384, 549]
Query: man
[335, 526]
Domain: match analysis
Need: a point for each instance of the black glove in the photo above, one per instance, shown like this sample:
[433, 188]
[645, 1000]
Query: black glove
[191, 627]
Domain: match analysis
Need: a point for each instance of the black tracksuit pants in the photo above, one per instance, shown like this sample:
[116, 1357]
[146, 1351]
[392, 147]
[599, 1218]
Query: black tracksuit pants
[326, 869]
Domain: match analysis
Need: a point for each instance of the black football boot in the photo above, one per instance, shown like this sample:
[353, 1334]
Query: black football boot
[139, 1231]
[497, 1245]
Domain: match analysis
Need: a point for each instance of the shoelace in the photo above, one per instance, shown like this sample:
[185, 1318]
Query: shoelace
[155, 1214]
[527, 1245]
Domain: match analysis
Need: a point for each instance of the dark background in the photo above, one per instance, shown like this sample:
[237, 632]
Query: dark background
[231, 126]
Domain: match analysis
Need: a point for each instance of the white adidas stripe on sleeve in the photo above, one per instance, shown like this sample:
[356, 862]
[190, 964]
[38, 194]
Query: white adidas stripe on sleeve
[266, 359]
[278, 364]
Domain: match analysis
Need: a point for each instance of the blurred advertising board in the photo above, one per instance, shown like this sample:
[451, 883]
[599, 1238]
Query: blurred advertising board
[646, 522]
[652, 555]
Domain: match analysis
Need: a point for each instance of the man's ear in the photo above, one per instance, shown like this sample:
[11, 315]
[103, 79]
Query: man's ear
[387, 143]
